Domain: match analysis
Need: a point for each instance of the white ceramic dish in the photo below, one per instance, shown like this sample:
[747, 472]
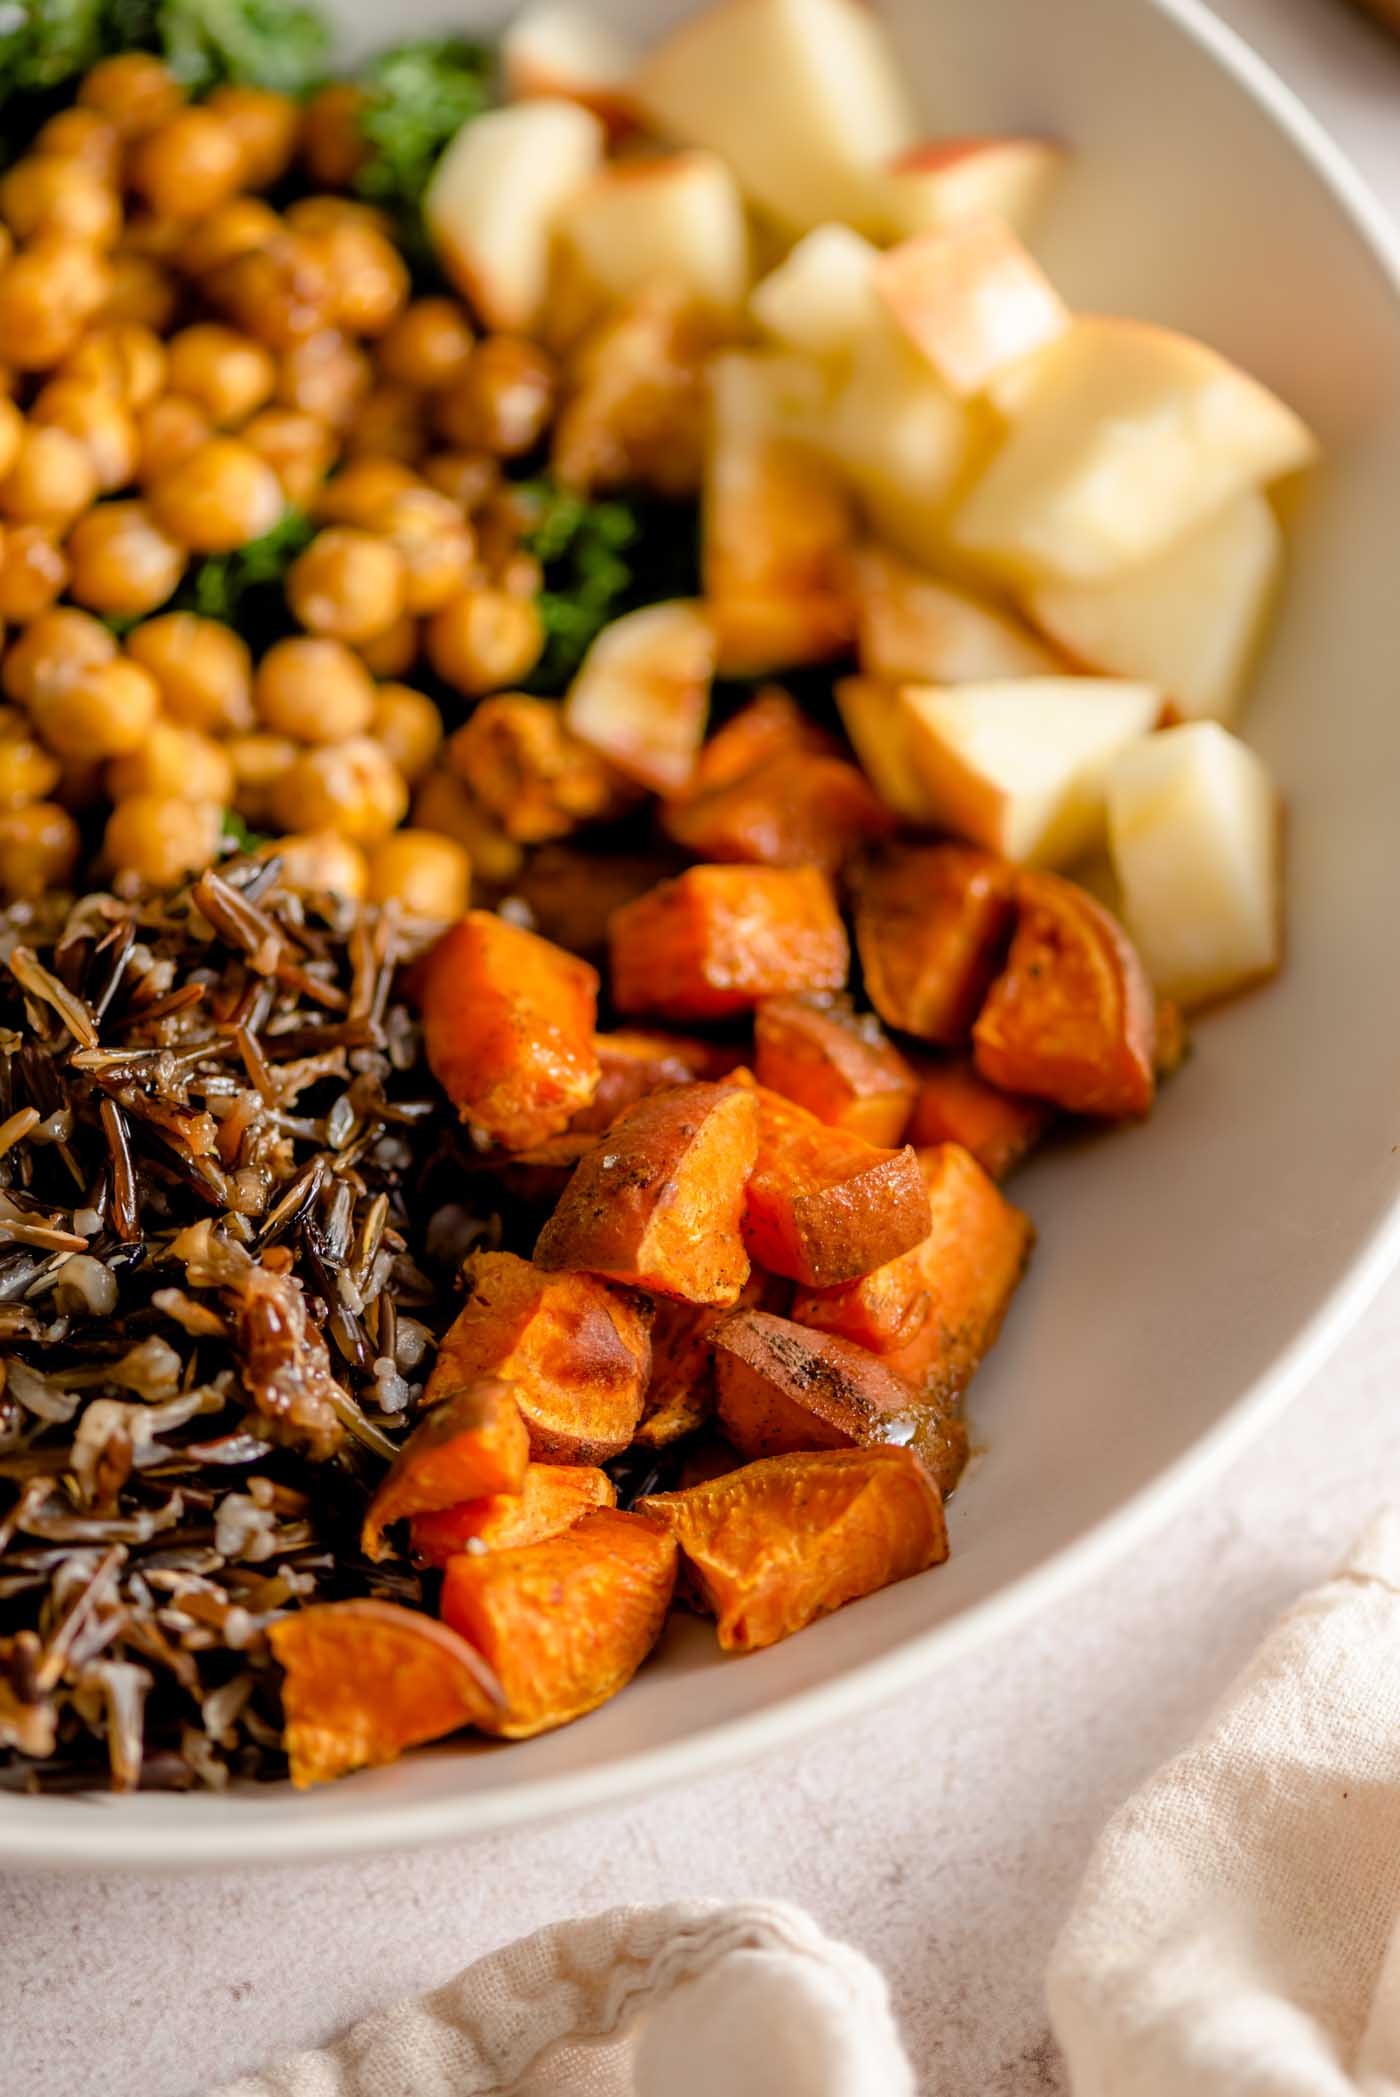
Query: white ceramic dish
[1193, 1272]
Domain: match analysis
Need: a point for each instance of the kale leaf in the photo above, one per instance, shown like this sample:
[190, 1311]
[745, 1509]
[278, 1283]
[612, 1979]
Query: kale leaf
[245, 588]
[417, 98]
[583, 548]
[272, 43]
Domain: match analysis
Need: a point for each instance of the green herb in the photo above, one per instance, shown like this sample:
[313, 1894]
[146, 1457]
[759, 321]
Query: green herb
[417, 98]
[272, 43]
[244, 588]
[237, 834]
[584, 549]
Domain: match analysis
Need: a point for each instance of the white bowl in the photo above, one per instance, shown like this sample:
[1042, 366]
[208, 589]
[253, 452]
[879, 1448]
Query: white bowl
[1192, 1272]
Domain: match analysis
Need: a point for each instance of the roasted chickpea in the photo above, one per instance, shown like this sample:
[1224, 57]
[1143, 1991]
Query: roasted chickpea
[389, 422]
[123, 563]
[156, 235]
[347, 584]
[105, 711]
[54, 649]
[352, 786]
[279, 291]
[11, 435]
[483, 640]
[428, 346]
[179, 762]
[332, 144]
[85, 136]
[434, 542]
[28, 772]
[265, 125]
[323, 214]
[141, 291]
[410, 728]
[218, 498]
[168, 432]
[237, 228]
[469, 478]
[101, 423]
[161, 839]
[368, 273]
[122, 359]
[228, 374]
[51, 480]
[446, 807]
[38, 849]
[428, 874]
[319, 863]
[393, 652]
[259, 762]
[48, 294]
[202, 668]
[504, 399]
[45, 197]
[361, 489]
[33, 572]
[135, 92]
[325, 376]
[314, 690]
[188, 165]
[83, 784]
[9, 382]
[7, 245]
[300, 449]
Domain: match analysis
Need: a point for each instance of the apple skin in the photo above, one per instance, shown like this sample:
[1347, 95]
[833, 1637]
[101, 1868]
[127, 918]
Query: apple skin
[559, 50]
[971, 300]
[820, 298]
[945, 182]
[674, 218]
[494, 201]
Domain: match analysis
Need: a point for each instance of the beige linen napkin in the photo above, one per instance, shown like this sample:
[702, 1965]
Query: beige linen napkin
[1239, 1929]
[691, 2000]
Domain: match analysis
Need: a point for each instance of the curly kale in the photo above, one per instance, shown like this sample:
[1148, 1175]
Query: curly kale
[583, 549]
[417, 98]
[245, 589]
[272, 43]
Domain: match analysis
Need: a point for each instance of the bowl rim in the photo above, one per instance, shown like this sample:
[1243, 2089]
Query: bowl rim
[90, 1833]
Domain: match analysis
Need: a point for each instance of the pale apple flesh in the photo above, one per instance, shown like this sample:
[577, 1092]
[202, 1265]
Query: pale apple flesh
[945, 182]
[1020, 766]
[878, 732]
[642, 693]
[802, 98]
[916, 629]
[495, 198]
[557, 49]
[675, 219]
[971, 300]
[820, 298]
[1190, 620]
[1193, 824]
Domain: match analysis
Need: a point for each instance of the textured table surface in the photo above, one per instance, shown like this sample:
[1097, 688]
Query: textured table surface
[944, 1836]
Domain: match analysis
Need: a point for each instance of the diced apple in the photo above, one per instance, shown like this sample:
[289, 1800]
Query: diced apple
[902, 441]
[801, 97]
[1188, 620]
[819, 299]
[879, 732]
[778, 528]
[971, 300]
[642, 693]
[916, 630]
[1193, 824]
[674, 219]
[495, 197]
[561, 50]
[1020, 767]
[945, 182]
[1125, 436]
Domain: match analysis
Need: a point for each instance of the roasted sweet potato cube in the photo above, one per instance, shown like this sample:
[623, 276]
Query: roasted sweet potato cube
[932, 925]
[572, 893]
[632, 1064]
[772, 1546]
[563, 1624]
[659, 1199]
[508, 1025]
[772, 725]
[365, 1679]
[538, 1176]
[551, 1498]
[955, 1104]
[680, 1396]
[780, 1387]
[935, 1313]
[474, 1441]
[823, 1205]
[836, 1064]
[1071, 1018]
[577, 1353]
[797, 810]
[720, 939]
